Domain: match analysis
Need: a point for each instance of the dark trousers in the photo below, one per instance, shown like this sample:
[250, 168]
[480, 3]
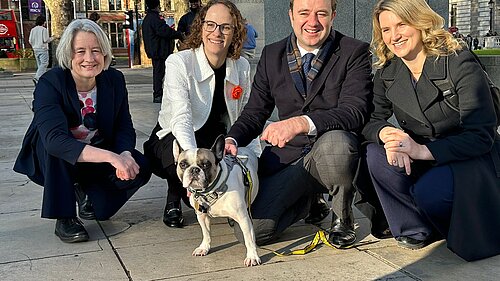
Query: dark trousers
[418, 205]
[106, 192]
[285, 197]
[160, 155]
[158, 75]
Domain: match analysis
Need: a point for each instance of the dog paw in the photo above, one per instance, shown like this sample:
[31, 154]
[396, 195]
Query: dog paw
[200, 252]
[252, 261]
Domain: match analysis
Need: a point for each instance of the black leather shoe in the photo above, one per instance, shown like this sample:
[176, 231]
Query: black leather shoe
[85, 208]
[157, 100]
[319, 210]
[411, 243]
[71, 230]
[341, 234]
[172, 216]
[384, 234]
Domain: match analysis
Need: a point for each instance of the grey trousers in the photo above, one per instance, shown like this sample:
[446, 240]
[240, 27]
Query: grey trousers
[285, 197]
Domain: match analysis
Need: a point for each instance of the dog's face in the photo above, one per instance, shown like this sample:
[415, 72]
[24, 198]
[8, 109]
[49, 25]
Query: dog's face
[197, 168]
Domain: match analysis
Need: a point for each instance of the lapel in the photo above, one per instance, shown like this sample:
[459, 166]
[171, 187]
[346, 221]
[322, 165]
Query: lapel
[318, 82]
[232, 80]
[401, 92]
[433, 70]
[200, 67]
[105, 103]
[70, 87]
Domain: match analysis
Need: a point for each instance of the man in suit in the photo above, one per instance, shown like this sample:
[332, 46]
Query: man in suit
[320, 82]
[158, 42]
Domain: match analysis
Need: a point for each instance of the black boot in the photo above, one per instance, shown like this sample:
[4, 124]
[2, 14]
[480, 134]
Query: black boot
[319, 210]
[71, 230]
[85, 208]
[172, 215]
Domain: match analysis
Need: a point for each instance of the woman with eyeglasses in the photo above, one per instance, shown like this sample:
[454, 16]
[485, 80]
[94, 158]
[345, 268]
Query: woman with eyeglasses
[80, 145]
[204, 91]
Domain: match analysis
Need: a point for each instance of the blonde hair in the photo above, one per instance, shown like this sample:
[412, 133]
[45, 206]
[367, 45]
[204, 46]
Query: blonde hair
[416, 13]
[64, 52]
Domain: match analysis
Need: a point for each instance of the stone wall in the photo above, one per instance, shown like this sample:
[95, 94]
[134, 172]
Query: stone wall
[353, 17]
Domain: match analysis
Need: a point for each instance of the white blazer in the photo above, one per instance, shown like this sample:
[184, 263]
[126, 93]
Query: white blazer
[188, 90]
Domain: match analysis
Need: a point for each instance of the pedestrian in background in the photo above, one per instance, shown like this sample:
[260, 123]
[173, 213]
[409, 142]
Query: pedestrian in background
[39, 40]
[187, 19]
[249, 46]
[158, 39]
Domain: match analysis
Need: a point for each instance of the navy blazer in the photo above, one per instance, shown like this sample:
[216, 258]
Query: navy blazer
[57, 109]
[339, 97]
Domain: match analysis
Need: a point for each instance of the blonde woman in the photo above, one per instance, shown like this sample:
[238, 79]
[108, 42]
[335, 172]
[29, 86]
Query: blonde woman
[437, 176]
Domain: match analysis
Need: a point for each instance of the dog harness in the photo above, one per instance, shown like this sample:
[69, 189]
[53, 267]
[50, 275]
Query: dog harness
[206, 198]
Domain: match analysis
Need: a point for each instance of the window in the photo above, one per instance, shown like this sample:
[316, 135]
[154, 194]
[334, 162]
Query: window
[92, 5]
[115, 5]
[115, 34]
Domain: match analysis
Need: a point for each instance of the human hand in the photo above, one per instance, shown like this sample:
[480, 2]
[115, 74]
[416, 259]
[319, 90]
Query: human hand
[280, 132]
[230, 147]
[399, 141]
[399, 159]
[126, 167]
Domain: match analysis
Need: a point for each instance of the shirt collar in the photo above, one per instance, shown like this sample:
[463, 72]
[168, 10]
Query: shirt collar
[303, 51]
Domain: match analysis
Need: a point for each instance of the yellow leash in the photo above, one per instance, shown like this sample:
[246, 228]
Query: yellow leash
[319, 238]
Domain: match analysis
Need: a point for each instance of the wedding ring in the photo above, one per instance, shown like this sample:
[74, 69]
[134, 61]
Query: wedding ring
[394, 161]
[400, 144]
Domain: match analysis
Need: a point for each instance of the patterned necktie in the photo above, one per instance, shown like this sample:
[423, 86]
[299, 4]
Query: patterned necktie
[306, 63]
[306, 66]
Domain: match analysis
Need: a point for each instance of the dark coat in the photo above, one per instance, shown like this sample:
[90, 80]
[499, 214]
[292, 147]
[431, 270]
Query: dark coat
[339, 98]
[158, 36]
[465, 141]
[57, 109]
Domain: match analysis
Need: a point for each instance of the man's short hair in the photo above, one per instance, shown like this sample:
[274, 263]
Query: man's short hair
[334, 5]
[151, 4]
[40, 20]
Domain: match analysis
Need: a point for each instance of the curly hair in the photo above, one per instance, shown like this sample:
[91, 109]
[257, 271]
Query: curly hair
[416, 13]
[194, 40]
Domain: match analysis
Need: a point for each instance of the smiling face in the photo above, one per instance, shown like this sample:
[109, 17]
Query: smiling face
[311, 21]
[88, 60]
[402, 39]
[216, 44]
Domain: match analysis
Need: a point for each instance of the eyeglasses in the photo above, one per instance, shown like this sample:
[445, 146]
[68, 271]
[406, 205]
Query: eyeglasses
[224, 28]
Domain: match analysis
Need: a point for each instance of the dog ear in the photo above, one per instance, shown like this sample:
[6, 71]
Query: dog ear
[177, 150]
[218, 148]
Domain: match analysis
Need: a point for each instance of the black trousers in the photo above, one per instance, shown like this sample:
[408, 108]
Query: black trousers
[285, 197]
[106, 192]
[160, 155]
[158, 75]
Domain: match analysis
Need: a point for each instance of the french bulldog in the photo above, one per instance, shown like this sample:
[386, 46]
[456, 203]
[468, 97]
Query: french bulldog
[216, 189]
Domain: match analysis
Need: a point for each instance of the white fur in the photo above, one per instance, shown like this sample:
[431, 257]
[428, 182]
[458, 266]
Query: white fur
[232, 204]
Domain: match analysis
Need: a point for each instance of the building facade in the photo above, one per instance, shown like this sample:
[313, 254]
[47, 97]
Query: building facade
[475, 17]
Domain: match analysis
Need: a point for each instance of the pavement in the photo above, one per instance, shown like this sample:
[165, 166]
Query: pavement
[136, 245]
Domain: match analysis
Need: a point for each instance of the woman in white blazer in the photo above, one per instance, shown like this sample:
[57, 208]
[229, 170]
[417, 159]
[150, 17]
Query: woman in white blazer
[204, 91]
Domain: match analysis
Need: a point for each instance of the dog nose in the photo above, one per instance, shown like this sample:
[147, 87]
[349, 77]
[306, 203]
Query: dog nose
[195, 170]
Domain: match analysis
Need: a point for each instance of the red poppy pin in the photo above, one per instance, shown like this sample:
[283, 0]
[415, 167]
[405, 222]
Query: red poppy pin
[237, 91]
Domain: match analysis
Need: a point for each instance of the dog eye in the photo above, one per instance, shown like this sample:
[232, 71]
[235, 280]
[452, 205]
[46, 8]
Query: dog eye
[206, 165]
[183, 165]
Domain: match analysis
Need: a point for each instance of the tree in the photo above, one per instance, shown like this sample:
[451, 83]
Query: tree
[61, 14]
